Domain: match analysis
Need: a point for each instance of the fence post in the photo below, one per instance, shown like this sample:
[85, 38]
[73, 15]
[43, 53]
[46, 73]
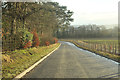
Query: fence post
[115, 48]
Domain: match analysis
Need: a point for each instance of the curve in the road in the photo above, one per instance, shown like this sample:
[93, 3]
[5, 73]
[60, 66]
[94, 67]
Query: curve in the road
[71, 62]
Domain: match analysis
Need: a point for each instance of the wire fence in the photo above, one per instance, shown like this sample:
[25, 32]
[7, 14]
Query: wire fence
[107, 47]
[10, 43]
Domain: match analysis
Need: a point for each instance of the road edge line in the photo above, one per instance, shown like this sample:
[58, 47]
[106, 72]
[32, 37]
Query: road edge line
[34, 65]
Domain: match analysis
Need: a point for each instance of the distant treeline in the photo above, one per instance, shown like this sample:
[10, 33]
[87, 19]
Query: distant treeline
[88, 31]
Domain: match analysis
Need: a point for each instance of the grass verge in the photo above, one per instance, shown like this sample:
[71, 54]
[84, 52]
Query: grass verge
[15, 62]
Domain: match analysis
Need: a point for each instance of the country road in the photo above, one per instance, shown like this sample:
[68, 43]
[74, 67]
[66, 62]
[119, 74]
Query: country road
[72, 62]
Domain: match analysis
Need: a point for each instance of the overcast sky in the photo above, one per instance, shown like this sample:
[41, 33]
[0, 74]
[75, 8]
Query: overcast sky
[101, 12]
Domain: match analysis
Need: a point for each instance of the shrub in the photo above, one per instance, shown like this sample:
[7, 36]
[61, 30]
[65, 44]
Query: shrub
[36, 41]
[46, 38]
[26, 37]
[28, 44]
[43, 40]
[47, 43]
[55, 40]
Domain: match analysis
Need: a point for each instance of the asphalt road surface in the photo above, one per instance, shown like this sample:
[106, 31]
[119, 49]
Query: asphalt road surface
[72, 62]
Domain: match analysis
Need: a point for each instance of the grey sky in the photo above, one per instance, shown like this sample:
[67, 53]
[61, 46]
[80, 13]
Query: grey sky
[101, 12]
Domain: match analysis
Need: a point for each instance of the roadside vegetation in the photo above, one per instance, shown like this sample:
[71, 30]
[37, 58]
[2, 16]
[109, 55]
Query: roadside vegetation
[32, 24]
[15, 62]
[106, 48]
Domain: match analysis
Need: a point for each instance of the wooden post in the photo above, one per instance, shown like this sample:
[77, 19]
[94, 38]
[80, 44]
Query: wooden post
[115, 49]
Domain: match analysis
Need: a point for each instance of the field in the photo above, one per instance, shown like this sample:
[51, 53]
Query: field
[106, 48]
[109, 46]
